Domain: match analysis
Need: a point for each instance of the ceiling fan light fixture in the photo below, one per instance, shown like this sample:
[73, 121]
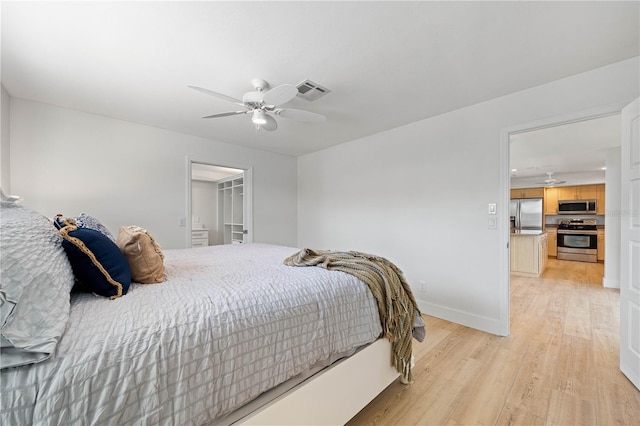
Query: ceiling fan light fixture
[259, 117]
[263, 105]
[550, 181]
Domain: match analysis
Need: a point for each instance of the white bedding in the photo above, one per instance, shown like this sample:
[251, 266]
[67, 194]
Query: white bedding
[35, 281]
[229, 323]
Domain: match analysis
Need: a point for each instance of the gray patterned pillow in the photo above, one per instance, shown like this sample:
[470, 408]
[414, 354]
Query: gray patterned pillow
[87, 221]
[84, 221]
[34, 291]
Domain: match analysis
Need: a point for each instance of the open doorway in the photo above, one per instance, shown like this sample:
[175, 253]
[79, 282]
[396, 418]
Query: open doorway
[506, 136]
[219, 205]
[570, 163]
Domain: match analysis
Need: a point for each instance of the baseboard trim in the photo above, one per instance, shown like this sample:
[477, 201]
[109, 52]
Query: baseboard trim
[608, 283]
[478, 322]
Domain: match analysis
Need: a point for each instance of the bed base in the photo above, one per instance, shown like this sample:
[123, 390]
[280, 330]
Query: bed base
[335, 394]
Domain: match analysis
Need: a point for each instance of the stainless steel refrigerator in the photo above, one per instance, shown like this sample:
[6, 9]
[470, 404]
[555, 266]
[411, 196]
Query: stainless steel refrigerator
[526, 213]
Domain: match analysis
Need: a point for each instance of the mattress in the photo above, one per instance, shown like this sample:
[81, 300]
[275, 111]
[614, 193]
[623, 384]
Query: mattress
[229, 323]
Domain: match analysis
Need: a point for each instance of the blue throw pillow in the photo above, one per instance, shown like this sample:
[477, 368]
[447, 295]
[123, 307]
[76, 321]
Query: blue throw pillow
[97, 262]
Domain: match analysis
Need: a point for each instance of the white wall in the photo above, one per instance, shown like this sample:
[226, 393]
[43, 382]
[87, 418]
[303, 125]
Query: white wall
[612, 201]
[66, 161]
[419, 194]
[5, 176]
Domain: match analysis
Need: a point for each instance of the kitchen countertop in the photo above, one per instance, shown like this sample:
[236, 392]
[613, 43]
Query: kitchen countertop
[528, 232]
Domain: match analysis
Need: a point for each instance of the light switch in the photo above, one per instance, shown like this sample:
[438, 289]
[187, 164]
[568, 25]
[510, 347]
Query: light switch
[492, 208]
[493, 223]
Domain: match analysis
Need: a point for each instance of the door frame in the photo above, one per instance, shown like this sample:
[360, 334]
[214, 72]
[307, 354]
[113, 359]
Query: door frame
[630, 237]
[505, 191]
[247, 199]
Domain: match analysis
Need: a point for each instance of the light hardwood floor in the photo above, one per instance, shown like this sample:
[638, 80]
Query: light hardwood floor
[558, 367]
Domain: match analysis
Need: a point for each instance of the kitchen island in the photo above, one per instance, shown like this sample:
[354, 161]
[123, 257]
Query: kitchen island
[528, 252]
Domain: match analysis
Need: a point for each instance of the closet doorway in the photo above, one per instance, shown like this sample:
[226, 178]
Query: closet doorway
[219, 205]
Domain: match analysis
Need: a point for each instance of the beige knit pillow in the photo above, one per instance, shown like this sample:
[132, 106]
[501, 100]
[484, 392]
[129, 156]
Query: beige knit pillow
[143, 254]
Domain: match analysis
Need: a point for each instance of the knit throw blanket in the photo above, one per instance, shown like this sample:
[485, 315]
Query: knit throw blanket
[396, 304]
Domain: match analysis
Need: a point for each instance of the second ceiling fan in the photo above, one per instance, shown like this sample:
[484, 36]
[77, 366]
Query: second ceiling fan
[263, 104]
[551, 181]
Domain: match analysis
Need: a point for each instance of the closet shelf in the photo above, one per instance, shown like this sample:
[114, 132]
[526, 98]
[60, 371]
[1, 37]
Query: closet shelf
[231, 209]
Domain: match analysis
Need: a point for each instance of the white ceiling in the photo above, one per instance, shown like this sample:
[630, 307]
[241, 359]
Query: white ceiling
[575, 153]
[387, 63]
[212, 173]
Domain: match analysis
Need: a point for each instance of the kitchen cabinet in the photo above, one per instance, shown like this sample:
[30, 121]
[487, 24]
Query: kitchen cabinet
[527, 193]
[543, 253]
[552, 242]
[600, 205]
[580, 192]
[586, 192]
[566, 193]
[528, 254]
[551, 200]
[600, 245]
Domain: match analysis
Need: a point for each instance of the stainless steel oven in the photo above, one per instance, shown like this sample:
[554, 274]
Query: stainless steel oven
[578, 240]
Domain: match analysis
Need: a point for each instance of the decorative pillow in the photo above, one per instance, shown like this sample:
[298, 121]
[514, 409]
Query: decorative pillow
[143, 254]
[97, 262]
[35, 286]
[85, 221]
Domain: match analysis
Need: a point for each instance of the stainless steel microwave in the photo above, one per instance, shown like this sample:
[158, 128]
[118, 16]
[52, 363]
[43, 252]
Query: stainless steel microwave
[577, 207]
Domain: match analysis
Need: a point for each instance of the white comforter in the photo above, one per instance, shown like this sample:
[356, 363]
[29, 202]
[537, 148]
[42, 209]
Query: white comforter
[229, 323]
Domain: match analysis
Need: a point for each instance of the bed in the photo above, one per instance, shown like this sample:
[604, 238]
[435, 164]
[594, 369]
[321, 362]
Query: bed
[231, 336]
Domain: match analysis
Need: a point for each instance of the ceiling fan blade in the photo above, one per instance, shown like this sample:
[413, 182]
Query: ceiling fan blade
[280, 95]
[216, 94]
[225, 114]
[270, 125]
[300, 115]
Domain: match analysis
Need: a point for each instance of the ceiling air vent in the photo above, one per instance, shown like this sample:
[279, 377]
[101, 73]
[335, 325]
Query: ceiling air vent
[310, 91]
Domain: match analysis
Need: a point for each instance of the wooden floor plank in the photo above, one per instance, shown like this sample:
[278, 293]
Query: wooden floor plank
[617, 402]
[488, 393]
[575, 371]
[517, 416]
[566, 409]
[578, 315]
[534, 382]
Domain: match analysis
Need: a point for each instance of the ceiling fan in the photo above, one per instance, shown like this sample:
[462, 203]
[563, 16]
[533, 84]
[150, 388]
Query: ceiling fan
[263, 105]
[550, 181]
